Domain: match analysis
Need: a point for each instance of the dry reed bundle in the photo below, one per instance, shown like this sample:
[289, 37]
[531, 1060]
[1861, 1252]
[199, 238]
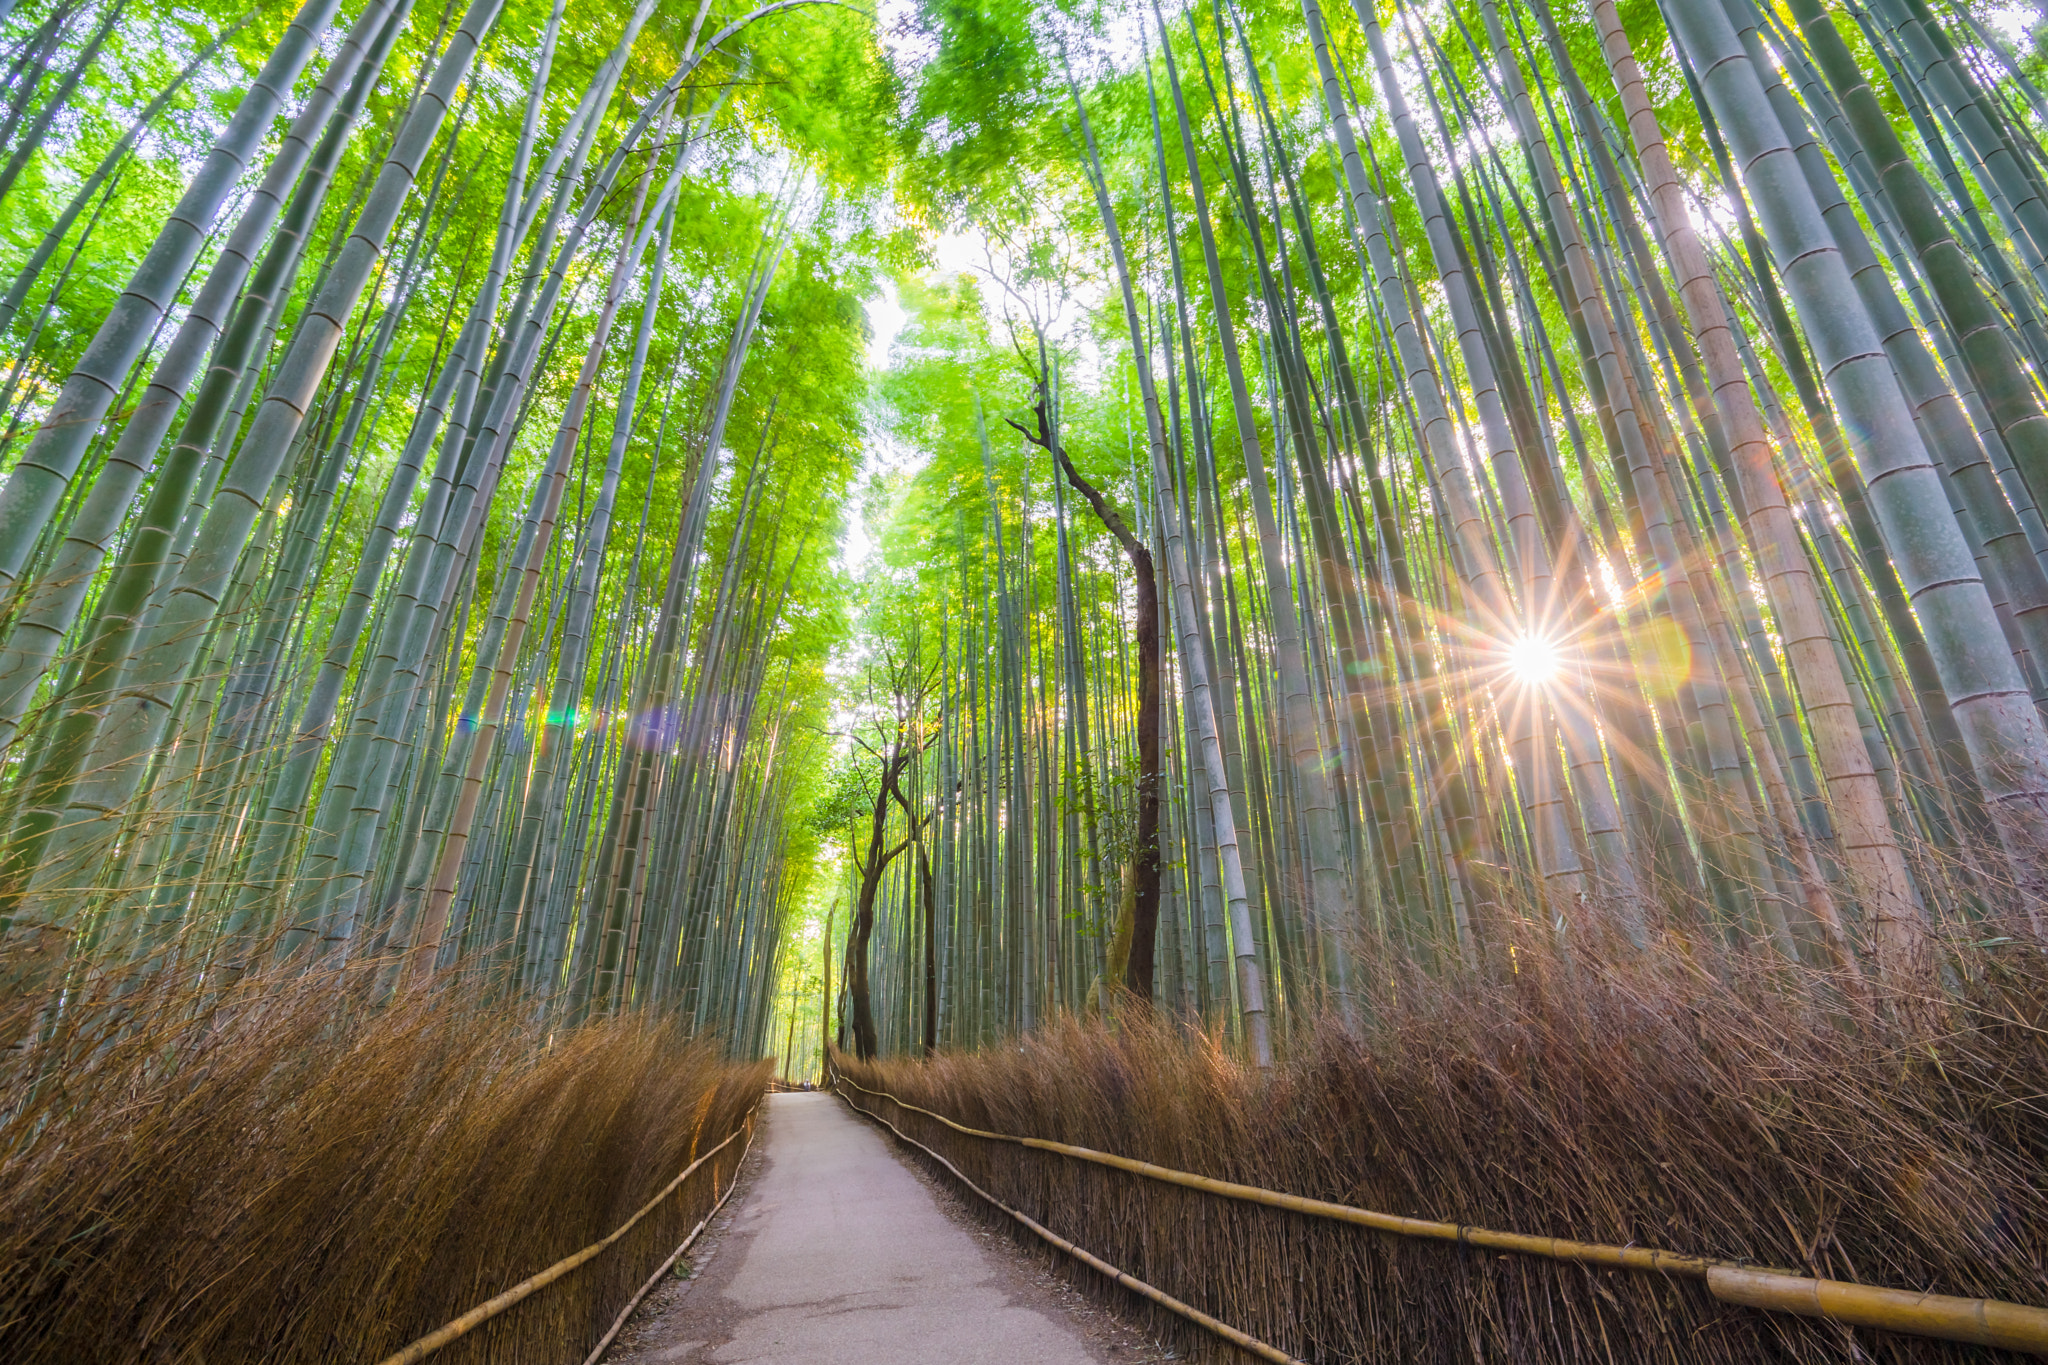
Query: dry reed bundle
[1656, 1107]
[283, 1172]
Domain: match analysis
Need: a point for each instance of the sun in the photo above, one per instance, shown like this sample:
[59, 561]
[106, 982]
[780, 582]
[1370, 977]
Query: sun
[1532, 660]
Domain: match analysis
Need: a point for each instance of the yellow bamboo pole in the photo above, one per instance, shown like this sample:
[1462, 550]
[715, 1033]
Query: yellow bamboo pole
[490, 1308]
[1985, 1322]
[1195, 1315]
[619, 1323]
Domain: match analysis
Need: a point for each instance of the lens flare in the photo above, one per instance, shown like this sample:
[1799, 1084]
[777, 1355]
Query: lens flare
[1532, 661]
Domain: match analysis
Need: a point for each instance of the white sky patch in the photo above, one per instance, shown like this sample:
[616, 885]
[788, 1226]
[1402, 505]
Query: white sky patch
[2010, 22]
[956, 253]
[896, 29]
[855, 546]
[885, 320]
[1119, 43]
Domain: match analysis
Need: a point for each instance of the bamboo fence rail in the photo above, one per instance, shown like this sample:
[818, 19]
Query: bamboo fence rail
[619, 1322]
[1982, 1322]
[533, 1284]
[1130, 1282]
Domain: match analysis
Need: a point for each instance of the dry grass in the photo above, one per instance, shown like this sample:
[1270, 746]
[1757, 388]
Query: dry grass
[287, 1174]
[1656, 1107]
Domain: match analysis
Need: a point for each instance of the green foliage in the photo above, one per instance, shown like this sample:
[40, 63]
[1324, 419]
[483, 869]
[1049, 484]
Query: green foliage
[981, 101]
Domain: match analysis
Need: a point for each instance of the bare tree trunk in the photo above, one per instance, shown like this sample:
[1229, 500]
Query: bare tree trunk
[1137, 930]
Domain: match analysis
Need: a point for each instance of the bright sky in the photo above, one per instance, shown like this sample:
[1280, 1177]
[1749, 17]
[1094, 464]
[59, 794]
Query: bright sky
[885, 319]
[954, 253]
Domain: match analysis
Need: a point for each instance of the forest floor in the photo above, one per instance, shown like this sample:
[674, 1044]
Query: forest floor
[839, 1250]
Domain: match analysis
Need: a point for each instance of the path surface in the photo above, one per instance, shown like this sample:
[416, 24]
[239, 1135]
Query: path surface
[839, 1253]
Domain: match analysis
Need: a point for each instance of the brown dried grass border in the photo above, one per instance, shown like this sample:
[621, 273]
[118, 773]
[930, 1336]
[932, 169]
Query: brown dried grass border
[1733, 1120]
[289, 1173]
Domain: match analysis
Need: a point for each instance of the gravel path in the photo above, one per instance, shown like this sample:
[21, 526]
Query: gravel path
[839, 1252]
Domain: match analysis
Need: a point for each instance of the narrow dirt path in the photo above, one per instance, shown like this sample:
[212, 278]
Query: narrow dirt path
[839, 1252]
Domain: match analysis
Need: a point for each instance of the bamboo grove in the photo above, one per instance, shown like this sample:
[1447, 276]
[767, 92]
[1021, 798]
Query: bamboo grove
[1407, 486]
[423, 432]
[1401, 488]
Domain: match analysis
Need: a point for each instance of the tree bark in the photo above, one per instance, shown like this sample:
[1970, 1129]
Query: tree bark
[865, 1040]
[1142, 906]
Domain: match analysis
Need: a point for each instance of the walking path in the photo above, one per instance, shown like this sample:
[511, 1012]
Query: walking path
[839, 1253]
